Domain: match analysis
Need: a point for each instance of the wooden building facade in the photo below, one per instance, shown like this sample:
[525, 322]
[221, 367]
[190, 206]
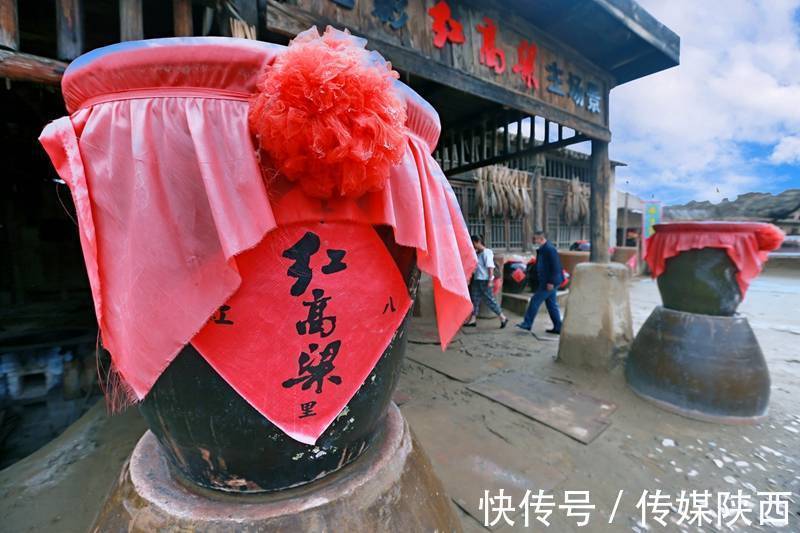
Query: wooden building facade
[514, 82]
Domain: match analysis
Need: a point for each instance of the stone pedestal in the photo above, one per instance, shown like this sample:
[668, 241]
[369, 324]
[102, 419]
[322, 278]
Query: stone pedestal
[705, 367]
[390, 487]
[598, 328]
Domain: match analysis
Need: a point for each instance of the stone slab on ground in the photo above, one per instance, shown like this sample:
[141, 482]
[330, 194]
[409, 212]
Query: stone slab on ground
[423, 330]
[575, 414]
[478, 461]
[455, 363]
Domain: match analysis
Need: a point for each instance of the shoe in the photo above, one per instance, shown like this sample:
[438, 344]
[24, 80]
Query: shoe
[503, 323]
[472, 325]
[554, 331]
[522, 326]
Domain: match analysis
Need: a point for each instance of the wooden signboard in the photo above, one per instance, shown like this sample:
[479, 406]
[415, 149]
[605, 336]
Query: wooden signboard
[476, 49]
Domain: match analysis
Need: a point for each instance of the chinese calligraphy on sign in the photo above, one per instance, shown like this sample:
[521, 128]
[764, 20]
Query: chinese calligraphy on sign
[485, 45]
[554, 77]
[490, 55]
[445, 28]
[314, 374]
[526, 61]
[391, 12]
[313, 367]
[317, 307]
[576, 91]
[221, 316]
[315, 323]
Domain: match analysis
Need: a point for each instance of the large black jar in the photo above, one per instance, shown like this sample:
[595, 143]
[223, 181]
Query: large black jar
[700, 281]
[695, 355]
[217, 440]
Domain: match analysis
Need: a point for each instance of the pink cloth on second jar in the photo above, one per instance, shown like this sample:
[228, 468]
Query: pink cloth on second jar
[168, 191]
[747, 244]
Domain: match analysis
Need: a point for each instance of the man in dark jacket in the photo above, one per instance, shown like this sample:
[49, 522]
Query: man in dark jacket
[549, 270]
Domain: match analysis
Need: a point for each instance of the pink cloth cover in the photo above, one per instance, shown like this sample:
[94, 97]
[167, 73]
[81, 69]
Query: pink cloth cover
[168, 192]
[747, 244]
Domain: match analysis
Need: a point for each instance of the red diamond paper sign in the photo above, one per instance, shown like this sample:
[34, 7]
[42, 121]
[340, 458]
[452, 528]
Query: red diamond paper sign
[317, 307]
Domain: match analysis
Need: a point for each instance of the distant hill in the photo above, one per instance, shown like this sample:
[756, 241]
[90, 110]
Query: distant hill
[750, 206]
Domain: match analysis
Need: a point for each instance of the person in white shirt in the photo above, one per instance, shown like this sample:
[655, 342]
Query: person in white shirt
[481, 286]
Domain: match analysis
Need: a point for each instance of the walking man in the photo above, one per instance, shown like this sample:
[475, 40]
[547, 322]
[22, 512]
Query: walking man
[549, 270]
[481, 286]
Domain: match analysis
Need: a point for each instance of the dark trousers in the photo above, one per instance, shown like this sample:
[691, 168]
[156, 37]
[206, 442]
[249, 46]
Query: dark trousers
[480, 290]
[549, 298]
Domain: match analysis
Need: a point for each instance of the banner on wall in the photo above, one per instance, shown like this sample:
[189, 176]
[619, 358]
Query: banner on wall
[652, 216]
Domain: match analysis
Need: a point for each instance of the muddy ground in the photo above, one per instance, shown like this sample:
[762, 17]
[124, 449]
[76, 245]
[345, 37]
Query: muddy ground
[477, 444]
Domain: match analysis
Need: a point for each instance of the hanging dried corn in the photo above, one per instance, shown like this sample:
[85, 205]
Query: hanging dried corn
[576, 205]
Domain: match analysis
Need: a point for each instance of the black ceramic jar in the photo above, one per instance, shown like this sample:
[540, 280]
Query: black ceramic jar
[215, 439]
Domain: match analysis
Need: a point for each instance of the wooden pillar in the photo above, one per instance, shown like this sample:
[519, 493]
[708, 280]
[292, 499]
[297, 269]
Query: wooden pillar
[69, 28]
[261, 20]
[131, 22]
[600, 203]
[182, 18]
[9, 24]
[538, 193]
[625, 221]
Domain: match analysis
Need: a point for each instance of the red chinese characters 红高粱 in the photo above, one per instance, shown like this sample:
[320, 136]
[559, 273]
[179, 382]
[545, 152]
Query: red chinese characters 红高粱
[297, 285]
[526, 63]
[490, 55]
[445, 27]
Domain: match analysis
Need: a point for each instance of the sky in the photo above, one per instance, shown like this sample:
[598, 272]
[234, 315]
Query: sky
[726, 120]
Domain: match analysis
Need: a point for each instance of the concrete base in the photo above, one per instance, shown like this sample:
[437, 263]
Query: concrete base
[391, 487]
[598, 328]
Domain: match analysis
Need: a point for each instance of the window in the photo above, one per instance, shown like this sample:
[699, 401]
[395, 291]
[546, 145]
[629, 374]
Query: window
[501, 233]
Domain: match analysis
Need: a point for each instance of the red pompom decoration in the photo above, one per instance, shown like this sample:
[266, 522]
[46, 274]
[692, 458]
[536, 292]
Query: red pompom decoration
[327, 116]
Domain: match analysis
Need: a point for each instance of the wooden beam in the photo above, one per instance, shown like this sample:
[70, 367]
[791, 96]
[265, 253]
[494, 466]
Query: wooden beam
[183, 25]
[27, 67]
[131, 21]
[599, 203]
[501, 158]
[9, 25]
[69, 28]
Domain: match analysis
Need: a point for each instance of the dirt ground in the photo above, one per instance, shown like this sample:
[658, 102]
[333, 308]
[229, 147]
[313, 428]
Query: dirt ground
[477, 444]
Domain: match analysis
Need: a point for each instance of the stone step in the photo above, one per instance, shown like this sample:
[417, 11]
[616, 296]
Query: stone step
[518, 303]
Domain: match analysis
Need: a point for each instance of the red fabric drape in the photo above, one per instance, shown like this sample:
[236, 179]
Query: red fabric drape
[746, 243]
[168, 191]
